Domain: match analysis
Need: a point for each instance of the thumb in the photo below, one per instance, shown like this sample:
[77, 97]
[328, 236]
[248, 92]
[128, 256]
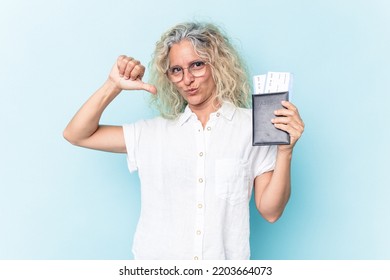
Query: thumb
[136, 85]
[150, 88]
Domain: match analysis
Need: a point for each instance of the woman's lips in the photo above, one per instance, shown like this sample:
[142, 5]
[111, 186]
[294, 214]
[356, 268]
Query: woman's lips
[191, 91]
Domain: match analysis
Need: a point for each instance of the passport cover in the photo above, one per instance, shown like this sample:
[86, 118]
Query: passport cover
[264, 131]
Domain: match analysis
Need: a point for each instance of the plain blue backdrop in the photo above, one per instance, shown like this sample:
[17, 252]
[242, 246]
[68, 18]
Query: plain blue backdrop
[58, 201]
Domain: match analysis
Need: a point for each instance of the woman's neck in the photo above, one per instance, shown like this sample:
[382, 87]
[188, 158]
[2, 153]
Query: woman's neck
[203, 111]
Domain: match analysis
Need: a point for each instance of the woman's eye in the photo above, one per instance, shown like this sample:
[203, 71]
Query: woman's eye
[175, 70]
[198, 64]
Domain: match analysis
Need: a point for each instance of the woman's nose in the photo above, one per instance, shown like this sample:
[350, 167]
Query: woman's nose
[188, 78]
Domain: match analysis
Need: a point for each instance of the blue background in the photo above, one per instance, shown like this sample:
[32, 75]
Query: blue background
[58, 201]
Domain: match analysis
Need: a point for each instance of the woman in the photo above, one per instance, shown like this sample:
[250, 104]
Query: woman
[196, 163]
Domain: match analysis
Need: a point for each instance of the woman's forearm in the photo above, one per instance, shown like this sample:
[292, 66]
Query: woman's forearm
[276, 193]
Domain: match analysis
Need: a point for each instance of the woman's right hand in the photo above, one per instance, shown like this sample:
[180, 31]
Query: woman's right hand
[127, 74]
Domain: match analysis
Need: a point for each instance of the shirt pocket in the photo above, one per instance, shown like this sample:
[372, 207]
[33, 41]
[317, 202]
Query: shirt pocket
[232, 182]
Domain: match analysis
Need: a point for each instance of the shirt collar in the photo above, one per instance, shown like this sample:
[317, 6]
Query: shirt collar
[186, 115]
[227, 110]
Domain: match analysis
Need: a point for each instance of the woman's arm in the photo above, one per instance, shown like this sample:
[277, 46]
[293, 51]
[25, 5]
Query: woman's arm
[84, 129]
[272, 189]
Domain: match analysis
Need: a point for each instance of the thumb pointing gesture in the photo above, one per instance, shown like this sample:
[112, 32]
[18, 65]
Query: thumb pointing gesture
[127, 74]
[137, 84]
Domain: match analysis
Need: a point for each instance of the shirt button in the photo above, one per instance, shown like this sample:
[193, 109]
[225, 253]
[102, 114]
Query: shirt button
[208, 128]
[198, 232]
[196, 258]
[200, 180]
[201, 154]
[200, 205]
[218, 114]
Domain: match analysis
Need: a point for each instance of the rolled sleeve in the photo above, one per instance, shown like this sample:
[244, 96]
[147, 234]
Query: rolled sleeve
[268, 156]
[130, 141]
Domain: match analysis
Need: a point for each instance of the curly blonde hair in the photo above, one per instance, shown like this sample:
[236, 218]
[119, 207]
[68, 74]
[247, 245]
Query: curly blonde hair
[228, 70]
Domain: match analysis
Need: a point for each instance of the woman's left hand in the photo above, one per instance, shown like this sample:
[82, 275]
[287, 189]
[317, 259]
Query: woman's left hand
[289, 120]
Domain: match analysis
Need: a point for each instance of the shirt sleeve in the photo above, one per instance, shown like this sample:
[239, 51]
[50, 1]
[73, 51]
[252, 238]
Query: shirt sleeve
[129, 132]
[266, 160]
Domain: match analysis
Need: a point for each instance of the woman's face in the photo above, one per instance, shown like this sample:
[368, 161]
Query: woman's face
[197, 91]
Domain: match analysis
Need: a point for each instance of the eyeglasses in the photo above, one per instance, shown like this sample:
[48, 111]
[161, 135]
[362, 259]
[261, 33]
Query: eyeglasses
[196, 68]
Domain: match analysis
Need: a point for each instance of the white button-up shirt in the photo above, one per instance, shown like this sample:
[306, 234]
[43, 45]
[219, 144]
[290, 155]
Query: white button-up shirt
[196, 184]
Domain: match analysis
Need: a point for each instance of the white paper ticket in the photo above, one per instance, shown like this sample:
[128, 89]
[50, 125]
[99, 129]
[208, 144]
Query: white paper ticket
[272, 82]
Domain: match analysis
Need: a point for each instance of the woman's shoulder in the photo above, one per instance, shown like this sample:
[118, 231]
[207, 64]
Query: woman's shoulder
[245, 113]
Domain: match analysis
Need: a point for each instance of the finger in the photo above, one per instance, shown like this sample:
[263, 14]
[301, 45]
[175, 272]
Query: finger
[283, 120]
[288, 110]
[129, 68]
[284, 112]
[289, 105]
[298, 125]
[287, 115]
[120, 58]
[293, 113]
[150, 88]
[282, 126]
[122, 64]
[137, 72]
[137, 85]
[294, 133]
